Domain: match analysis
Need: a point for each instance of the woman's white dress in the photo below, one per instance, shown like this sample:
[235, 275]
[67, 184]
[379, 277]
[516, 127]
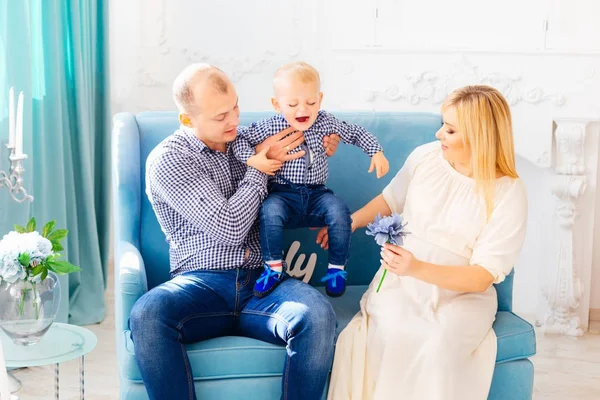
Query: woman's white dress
[413, 340]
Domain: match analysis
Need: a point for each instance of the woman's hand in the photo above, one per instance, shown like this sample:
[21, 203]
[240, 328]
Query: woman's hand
[280, 144]
[398, 260]
[323, 236]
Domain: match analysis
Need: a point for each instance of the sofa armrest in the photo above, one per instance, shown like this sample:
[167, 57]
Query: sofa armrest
[126, 178]
[130, 282]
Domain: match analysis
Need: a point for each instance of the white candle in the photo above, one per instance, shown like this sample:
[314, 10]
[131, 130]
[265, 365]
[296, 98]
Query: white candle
[11, 118]
[19, 129]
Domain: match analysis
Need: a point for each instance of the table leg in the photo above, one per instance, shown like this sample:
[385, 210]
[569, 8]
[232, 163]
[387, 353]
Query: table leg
[56, 378]
[14, 385]
[82, 372]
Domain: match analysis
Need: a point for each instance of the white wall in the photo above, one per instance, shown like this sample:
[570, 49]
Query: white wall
[406, 55]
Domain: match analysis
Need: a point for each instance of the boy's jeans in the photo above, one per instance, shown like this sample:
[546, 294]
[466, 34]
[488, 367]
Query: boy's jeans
[200, 305]
[299, 206]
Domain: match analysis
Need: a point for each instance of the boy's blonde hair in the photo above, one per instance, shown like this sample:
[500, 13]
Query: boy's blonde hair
[485, 121]
[300, 70]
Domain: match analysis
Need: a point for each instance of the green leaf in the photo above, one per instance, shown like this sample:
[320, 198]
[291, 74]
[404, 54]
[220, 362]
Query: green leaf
[44, 274]
[58, 235]
[20, 229]
[48, 228]
[31, 225]
[38, 270]
[63, 267]
[24, 259]
[56, 246]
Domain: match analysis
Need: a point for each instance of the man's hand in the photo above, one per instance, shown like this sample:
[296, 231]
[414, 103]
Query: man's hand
[331, 143]
[380, 164]
[263, 164]
[280, 144]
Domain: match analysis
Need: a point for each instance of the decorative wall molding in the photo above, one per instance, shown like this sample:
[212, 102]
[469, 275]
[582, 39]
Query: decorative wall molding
[564, 289]
[570, 141]
[434, 87]
[543, 159]
[237, 67]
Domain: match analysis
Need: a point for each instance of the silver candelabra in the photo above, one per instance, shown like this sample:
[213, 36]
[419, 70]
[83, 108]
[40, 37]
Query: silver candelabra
[14, 181]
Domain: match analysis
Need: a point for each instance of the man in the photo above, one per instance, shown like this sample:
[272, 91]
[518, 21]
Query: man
[207, 203]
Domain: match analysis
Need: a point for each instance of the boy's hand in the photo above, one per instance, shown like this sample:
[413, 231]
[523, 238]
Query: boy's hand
[263, 164]
[380, 164]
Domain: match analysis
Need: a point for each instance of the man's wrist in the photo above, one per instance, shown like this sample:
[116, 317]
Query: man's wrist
[256, 176]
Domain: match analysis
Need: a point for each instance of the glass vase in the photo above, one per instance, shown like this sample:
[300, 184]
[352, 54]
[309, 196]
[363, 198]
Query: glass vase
[28, 309]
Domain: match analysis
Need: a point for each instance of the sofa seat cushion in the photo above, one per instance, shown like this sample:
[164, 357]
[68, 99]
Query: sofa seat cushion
[516, 337]
[237, 357]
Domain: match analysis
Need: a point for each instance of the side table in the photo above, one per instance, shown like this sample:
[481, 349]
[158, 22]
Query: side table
[62, 342]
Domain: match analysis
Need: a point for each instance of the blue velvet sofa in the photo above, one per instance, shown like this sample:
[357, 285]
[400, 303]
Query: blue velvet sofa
[228, 367]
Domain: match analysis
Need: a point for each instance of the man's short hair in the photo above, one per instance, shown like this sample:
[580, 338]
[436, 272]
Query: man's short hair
[183, 87]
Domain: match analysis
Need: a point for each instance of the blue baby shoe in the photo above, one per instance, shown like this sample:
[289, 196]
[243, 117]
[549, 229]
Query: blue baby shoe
[267, 282]
[335, 282]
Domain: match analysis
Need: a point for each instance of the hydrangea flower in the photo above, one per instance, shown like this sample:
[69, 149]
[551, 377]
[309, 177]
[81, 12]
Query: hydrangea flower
[15, 244]
[388, 229]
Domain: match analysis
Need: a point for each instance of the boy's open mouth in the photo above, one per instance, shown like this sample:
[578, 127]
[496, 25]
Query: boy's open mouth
[302, 119]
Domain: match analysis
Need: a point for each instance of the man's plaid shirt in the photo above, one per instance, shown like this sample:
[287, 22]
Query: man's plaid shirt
[207, 204]
[313, 168]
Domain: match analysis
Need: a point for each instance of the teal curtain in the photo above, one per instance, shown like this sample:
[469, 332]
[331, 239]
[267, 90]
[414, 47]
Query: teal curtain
[55, 52]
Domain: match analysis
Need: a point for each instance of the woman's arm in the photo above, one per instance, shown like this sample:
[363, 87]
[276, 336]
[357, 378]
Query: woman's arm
[367, 214]
[464, 278]
[467, 278]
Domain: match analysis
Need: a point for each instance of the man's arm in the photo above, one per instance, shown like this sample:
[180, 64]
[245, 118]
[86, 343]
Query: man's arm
[196, 197]
[241, 147]
[248, 137]
[351, 133]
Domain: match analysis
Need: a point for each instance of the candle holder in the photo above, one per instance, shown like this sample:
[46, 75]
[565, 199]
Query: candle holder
[14, 182]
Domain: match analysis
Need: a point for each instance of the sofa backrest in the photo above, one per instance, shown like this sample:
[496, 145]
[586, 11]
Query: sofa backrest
[398, 132]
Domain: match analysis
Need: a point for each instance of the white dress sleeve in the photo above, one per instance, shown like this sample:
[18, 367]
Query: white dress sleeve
[499, 244]
[394, 193]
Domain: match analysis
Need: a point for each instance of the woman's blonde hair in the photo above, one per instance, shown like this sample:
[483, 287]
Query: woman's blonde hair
[485, 122]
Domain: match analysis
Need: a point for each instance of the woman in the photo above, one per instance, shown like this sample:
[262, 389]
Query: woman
[427, 334]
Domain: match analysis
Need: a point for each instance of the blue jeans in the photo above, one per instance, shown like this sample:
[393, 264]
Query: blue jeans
[298, 206]
[200, 305]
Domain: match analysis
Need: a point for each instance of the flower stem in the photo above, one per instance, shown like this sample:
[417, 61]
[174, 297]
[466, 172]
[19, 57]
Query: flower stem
[384, 272]
[381, 281]
[35, 304]
[22, 302]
